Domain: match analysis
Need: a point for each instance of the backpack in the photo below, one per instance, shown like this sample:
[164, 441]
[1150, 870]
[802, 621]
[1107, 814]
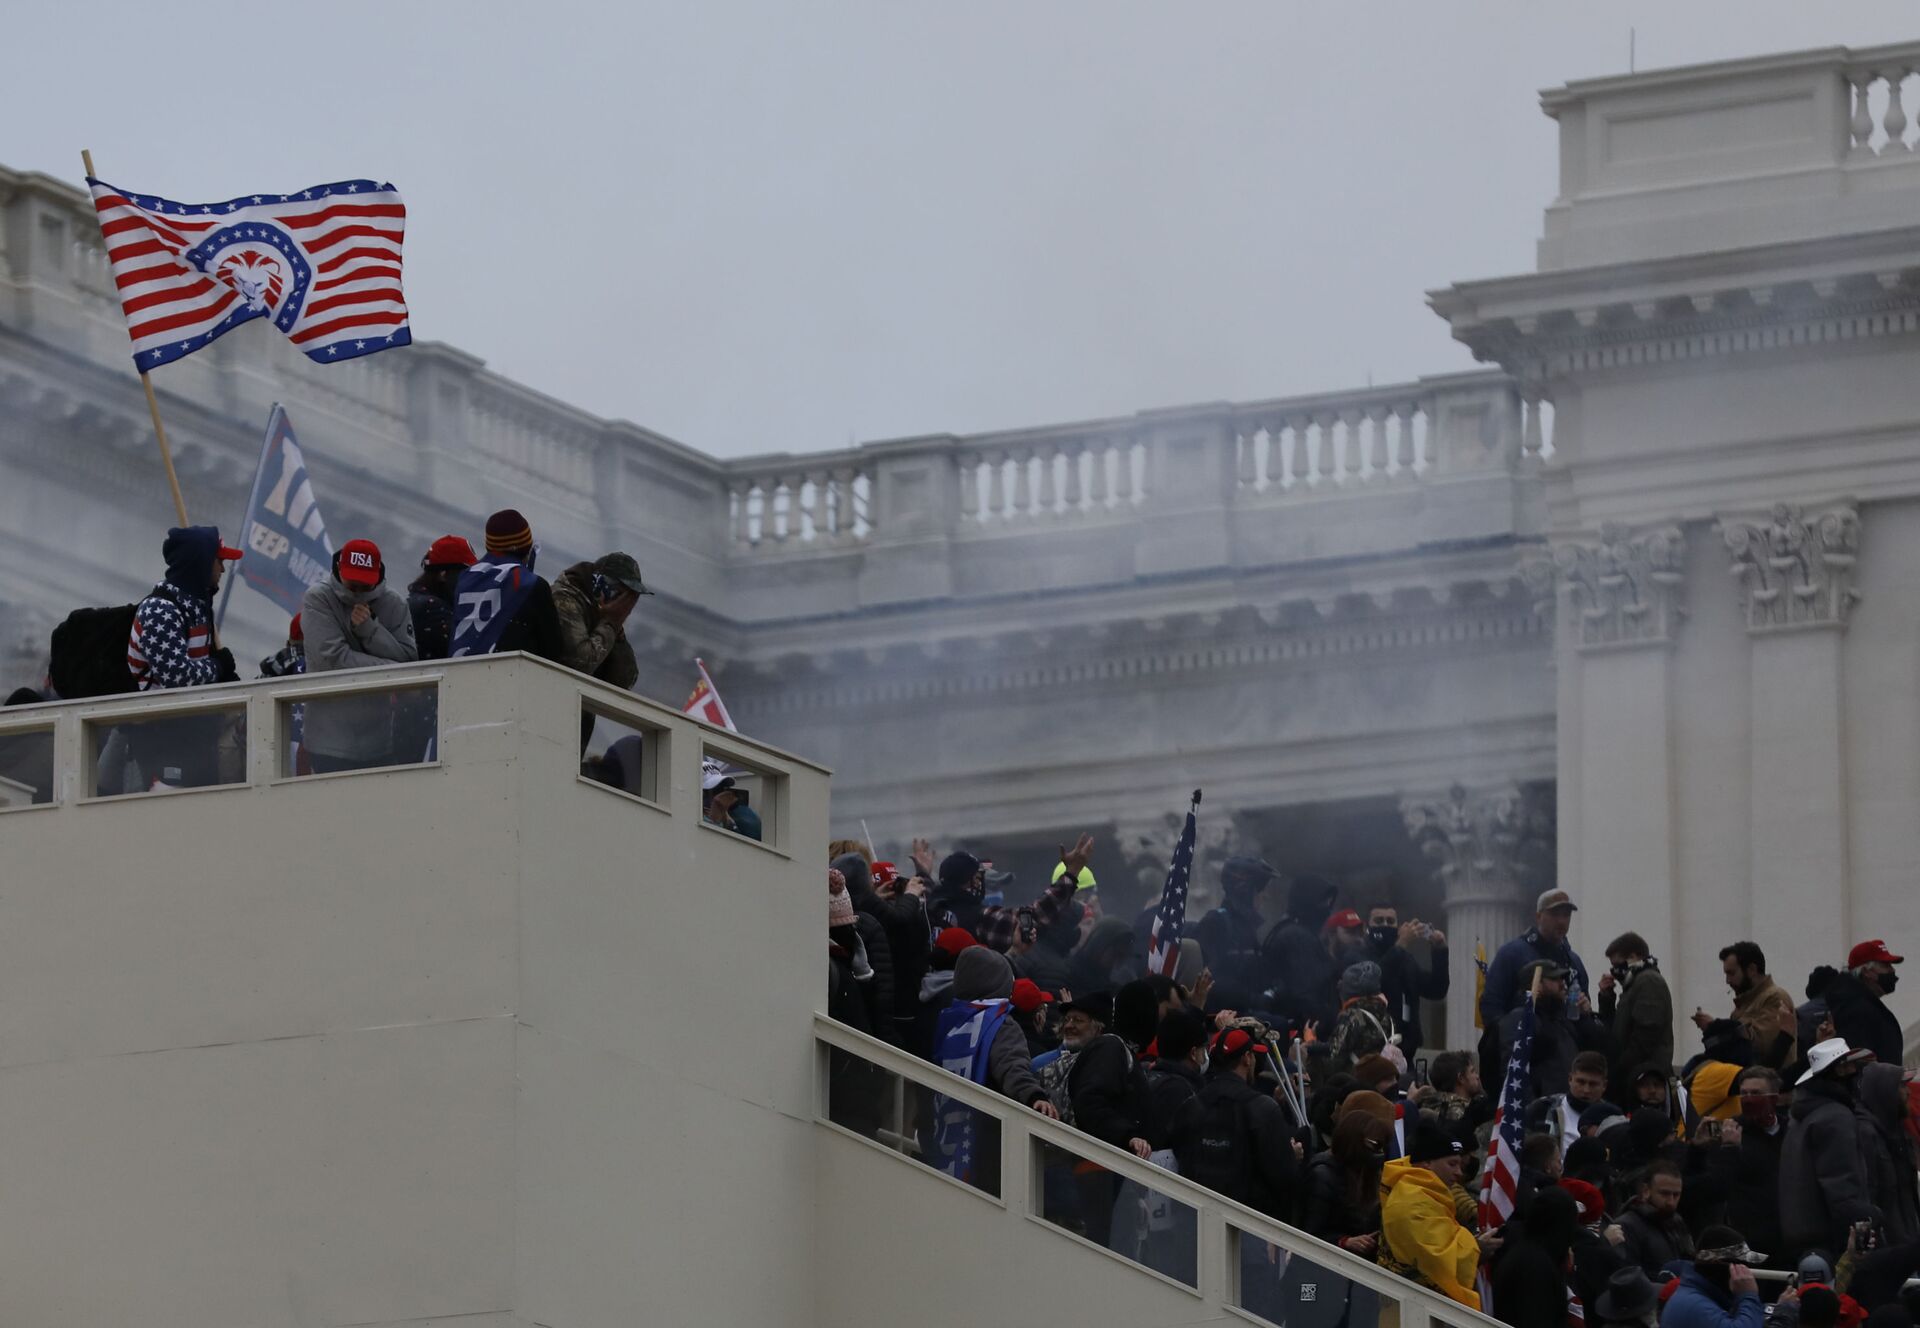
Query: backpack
[90, 653]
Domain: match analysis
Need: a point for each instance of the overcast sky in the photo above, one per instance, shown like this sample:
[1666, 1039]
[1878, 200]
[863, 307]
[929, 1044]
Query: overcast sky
[764, 227]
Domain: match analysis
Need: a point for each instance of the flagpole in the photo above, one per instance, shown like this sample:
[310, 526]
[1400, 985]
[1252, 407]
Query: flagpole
[153, 404]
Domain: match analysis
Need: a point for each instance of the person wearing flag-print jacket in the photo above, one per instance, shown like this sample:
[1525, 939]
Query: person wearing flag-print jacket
[171, 644]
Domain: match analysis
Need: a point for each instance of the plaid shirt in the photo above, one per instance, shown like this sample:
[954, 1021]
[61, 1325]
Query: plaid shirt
[995, 929]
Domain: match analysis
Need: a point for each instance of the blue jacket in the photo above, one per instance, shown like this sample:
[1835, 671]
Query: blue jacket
[1503, 974]
[1700, 1304]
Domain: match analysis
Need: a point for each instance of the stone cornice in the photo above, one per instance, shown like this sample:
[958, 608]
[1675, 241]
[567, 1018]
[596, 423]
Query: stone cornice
[1762, 298]
[1123, 653]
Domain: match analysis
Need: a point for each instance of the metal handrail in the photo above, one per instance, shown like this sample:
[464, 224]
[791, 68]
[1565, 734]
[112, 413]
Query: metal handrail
[1418, 1304]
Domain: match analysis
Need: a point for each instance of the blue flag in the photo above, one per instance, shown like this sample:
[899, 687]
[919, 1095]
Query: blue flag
[283, 536]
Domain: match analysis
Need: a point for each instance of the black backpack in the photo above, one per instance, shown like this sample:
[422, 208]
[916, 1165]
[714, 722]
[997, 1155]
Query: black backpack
[90, 653]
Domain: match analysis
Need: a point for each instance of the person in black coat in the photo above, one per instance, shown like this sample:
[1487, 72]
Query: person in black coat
[899, 908]
[1740, 1177]
[1108, 1088]
[1229, 935]
[1824, 1186]
[1341, 1195]
[1891, 1180]
[1856, 1001]
[1529, 1276]
[1299, 969]
[1559, 1033]
[1402, 981]
[1655, 1234]
[1174, 1080]
[1242, 1143]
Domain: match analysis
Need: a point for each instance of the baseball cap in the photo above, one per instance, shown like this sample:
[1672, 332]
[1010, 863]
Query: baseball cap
[1872, 952]
[1549, 972]
[884, 873]
[1346, 917]
[1231, 1042]
[953, 940]
[1027, 996]
[449, 551]
[622, 568]
[714, 777]
[358, 563]
[229, 554]
[1552, 899]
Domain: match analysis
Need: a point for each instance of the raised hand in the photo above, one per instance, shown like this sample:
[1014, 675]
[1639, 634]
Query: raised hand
[922, 855]
[1076, 861]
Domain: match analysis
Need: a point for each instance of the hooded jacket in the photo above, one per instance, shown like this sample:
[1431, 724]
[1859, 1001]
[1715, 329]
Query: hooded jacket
[1880, 1105]
[903, 919]
[1297, 965]
[1823, 1173]
[1864, 1020]
[980, 974]
[1239, 1143]
[588, 642]
[1421, 1237]
[171, 642]
[1089, 971]
[354, 728]
[1700, 1304]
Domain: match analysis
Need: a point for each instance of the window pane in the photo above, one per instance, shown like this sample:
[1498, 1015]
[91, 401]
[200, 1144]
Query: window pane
[738, 795]
[324, 735]
[934, 1130]
[620, 754]
[1131, 1219]
[138, 755]
[1290, 1289]
[26, 768]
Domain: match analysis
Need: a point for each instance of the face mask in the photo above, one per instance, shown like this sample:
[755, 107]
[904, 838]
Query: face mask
[1761, 1116]
[1621, 972]
[1888, 981]
[1383, 936]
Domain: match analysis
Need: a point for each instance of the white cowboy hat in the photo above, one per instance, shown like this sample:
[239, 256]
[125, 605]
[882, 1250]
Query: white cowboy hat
[1826, 1055]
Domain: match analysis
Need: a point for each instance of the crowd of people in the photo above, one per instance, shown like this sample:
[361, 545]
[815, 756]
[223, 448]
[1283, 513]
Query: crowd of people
[1281, 1063]
[460, 603]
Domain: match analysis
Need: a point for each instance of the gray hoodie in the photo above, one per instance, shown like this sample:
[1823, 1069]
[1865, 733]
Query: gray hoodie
[354, 729]
[980, 974]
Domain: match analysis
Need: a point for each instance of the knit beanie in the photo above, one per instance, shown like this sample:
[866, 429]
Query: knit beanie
[839, 905]
[1361, 979]
[508, 532]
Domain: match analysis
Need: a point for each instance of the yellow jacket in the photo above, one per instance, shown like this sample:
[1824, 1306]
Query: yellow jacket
[1421, 1236]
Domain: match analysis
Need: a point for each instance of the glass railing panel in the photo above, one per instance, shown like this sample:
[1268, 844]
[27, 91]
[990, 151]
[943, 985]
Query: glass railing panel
[1133, 1220]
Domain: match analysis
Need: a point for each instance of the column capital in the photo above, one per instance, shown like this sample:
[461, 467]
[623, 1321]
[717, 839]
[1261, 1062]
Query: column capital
[1624, 589]
[1794, 565]
[1481, 842]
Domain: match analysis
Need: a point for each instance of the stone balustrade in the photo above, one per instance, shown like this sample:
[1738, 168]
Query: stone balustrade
[1882, 84]
[817, 502]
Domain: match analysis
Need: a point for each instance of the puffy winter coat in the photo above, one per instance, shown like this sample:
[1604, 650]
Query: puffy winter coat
[1823, 1171]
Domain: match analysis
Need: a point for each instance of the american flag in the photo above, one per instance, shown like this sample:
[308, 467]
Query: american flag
[1500, 1183]
[323, 264]
[1163, 950]
[705, 703]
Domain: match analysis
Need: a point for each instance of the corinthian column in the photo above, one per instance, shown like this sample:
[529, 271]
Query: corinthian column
[1487, 848]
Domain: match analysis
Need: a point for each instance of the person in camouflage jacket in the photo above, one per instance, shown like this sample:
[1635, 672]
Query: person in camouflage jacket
[593, 601]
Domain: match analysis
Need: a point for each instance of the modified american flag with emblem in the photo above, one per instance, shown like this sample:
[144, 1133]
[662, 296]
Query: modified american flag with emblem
[323, 264]
[1163, 949]
[1500, 1184]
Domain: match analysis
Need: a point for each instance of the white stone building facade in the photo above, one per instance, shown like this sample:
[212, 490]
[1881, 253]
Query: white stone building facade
[1631, 609]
